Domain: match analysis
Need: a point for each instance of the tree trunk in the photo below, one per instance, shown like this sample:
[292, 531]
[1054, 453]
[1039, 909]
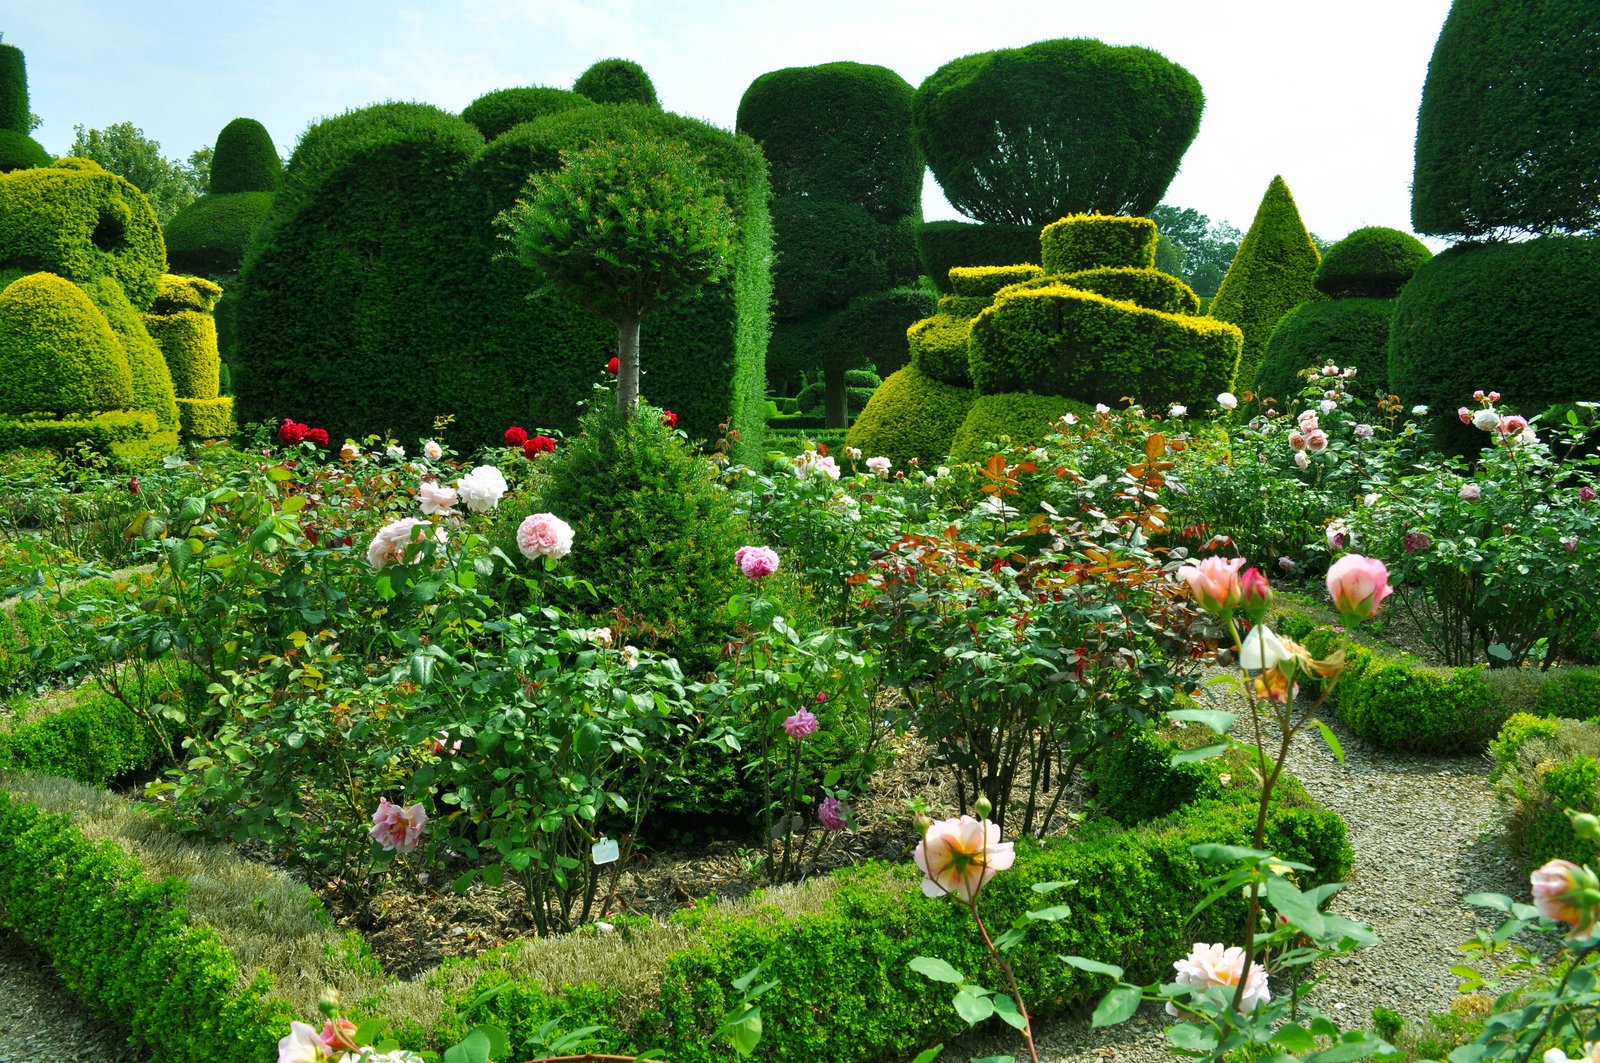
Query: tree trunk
[628, 363]
[837, 400]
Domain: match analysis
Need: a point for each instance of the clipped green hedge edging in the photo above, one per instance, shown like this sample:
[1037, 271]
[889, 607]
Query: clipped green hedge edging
[93, 738]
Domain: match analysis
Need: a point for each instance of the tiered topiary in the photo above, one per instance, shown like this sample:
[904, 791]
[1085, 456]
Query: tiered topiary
[180, 321]
[1362, 274]
[1035, 342]
[379, 294]
[617, 81]
[495, 112]
[18, 150]
[911, 416]
[1270, 276]
[847, 186]
[946, 245]
[80, 256]
[209, 235]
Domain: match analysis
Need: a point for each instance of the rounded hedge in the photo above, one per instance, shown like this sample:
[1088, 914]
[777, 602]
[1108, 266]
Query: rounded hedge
[14, 114]
[944, 245]
[985, 281]
[1506, 132]
[1517, 318]
[177, 294]
[82, 224]
[827, 255]
[495, 112]
[1374, 262]
[58, 354]
[1022, 417]
[872, 329]
[209, 235]
[839, 131]
[938, 347]
[188, 341]
[617, 81]
[19, 151]
[1026, 135]
[1348, 332]
[911, 416]
[152, 381]
[245, 160]
[1093, 241]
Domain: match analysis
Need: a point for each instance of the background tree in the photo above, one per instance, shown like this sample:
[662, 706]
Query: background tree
[622, 229]
[124, 150]
[1193, 247]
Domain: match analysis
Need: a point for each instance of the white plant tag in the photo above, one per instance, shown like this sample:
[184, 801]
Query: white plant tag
[606, 851]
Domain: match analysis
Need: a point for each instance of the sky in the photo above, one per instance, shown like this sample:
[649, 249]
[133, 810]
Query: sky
[1323, 93]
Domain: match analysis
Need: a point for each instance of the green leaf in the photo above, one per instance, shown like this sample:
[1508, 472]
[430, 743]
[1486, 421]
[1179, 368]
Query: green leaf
[937, 970]
[1219, 721]
[1295, 1038]
[1190, 1037]
[1499, 651]
[928, 1055]
[743, 1031]
[1332, 741]
[973, 1004]
[1006, 1008]
[1092, 966]
[474, 1048]
[1117, 1006]
[1051, 887]
[1051, 914]
[1210, 851]
[1296, 906]
[1194, 756]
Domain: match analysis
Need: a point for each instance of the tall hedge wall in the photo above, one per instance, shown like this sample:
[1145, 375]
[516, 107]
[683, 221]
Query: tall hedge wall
[1025, 135]
[1518, 318]
[1506, 134]
[1271, 275]
[14, 113]
[377, 295]
[208, 237]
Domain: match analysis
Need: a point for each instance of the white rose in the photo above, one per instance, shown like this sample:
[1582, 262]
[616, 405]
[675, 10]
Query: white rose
[1368, 500]
[1101, 408]
[1178, 411]
[1227, 400]
[1419, 411]
[482, 488]
[1327, 405]
[1262, 649]
[432, 451]
[1486, 420]
[395, 451]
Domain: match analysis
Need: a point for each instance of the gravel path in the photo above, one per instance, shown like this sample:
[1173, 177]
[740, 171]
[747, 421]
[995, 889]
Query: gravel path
[1425, 831]
[42, 1022]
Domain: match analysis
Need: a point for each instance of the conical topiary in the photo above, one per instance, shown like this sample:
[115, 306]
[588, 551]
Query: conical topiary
[58, 354]
[245, 159]
[1271, 275]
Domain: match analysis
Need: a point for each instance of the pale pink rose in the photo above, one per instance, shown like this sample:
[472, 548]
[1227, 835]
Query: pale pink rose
[1330, 370]
[1512, 425]
[436, 499]
[1297, 441]
[1307, 420]
[397, 828]
[301, 1045]
[1316, 441]
[1478, 395]
[544, 535]
[432, 450]
[339, 1034]
[756, 562]
[831, 814]
[880, 466]
[389, 546]
[1302, 459]
[1362, 431]
[1494, 396]
[1358, 585]
[1470, 492]
[1327, 405]
[1569, 894]
[960, 856]
[1214, 583]
[1215, 965]
[802, 724]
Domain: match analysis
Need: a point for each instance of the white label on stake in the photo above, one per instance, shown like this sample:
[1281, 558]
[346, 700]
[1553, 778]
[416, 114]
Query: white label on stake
[606, 851]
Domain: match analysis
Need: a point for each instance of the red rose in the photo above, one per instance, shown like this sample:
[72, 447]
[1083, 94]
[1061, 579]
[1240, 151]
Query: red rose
[319, 436]
[669, 418]
[133, 486]
[613, 365]
[291, 433]
[515, 436]
[538, 445]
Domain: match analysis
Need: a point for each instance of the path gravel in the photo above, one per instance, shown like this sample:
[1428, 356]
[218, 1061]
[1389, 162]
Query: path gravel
[42, 1022]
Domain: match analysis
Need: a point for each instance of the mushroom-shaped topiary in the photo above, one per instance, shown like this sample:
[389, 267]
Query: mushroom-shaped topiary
[1374, 262]
[617, 81]
[495, 112]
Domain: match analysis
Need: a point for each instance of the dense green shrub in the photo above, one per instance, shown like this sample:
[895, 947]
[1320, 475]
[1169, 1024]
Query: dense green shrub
[1373, 262]
[124, 433]
[14, 113]
[206, 418]
[58, 354]
[874, 326]
[1506, 136]
[1024, 136]
[181, 324]
[987, 281]
[1518, 318]
[1149, 288]
[440, 320]
[1064, 341]
[617, 81]
[495, 112]
[1348, 332]
[1270, 275]
[1094, 241]
[244, 160]
[208, 237]
[911, 416]
[19, 151]
[152, 383]
[83, 734]
[1542, 768]
[1134, 779]
[938, 346]
[944, 245]
[828, 253]
[1019, 416]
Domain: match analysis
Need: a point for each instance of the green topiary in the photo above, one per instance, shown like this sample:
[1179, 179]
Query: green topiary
[965, 307]
[15, 116]
[1095, 241]
[1518, 318]
[944, 245]
[1347, 332]
[1270, 275]
[1019, 416]
[911, 416]
[938, 346]
[19, 151]
[873, 327]
[1374, 262]
[1058, 340]
[1149, 288]
[206, 418]
[985, 281]
[656, 534]
[176, 294]
[181, 324]
[82, 223]
[152, 382]
[58, 354]
[1506, 133]
[208, 236]
[1027, 135]
[244, 160]
[617, 81]
[828, 253]
[495, 112]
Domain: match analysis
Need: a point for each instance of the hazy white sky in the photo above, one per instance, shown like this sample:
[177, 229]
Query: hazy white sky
[1324, 92]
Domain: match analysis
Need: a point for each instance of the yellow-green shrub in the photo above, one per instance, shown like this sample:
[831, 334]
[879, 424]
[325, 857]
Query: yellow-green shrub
[987, 280]
[911, 415]
[206, 418]
[1092, 241]
[58, 354]
[939, 348]
[1022, 417]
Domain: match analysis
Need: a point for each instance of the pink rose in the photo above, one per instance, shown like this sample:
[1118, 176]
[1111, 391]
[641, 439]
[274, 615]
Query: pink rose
[544, 535]
[831, 814]
[1254, 592]
[756, 562]
[1307, 420]
[1214, 965]
[339, 1034]
[396, 828]
[1316, 440]
[1302, 459]
[1297, 442]
[1470, 492]
[960, 856]
[436, 499]
[1358, 586]
[301, 1045]
[802, 724]
[389, 546]
[1465, 415]
[1512, 425]
[1569, 894]
[879, 466]
[1214, 583]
